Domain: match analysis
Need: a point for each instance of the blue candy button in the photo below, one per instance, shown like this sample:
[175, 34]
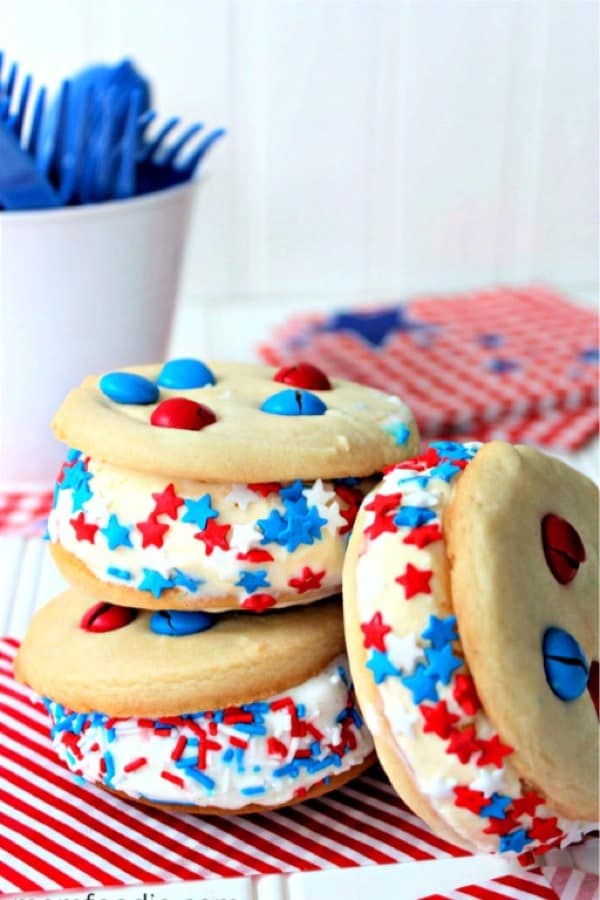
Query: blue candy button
[566, 667]
[180, 374]
[127, 387]
[176, 622]
[294, 403]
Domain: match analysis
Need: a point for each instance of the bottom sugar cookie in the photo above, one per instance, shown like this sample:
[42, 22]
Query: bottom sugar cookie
[470, 608]
[197, 713]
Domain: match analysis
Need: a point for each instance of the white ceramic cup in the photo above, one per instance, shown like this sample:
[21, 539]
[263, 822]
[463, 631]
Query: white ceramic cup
[82, 291]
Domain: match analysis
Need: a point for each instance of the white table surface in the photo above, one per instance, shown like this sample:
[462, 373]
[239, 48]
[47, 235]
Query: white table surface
[30, 579]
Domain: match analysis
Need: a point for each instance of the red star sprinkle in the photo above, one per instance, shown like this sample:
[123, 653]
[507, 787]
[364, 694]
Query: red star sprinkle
[353, 498]
[213, 536]
[501, 826]
[167, 503]
[493, 752]
[258, 602]
[463, 743]
[415, 581]
[465, 694]
[153, 532]
[438, 719]
[84, 531]
[380, 525]
[374, 632]
[469, 799]
[423, 535]
[308, 580]
[264, 488]
[526, 805]
[544, 829]
[256, 555]
[381, 504]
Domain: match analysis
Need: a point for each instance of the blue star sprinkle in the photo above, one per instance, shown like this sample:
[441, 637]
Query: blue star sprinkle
[122, 574]
[496, 808]
[445, 471]
[272, 526]
[421, 684]
[302, 530]
[413, 516]
[442, 663]
[180, 579]
[198, 512]
[116, 535]
[501, 366]
[452, 450]
[440, 631]
[81, 495]
[154, 582]
[398, 431]
[381, 667]
[251, 581]
[292, 491]
[74, 475]
[514, 841]
[73, 455]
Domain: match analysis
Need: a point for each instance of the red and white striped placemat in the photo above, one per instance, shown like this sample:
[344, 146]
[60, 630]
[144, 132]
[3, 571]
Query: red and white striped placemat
[518, 364]
[57, 834]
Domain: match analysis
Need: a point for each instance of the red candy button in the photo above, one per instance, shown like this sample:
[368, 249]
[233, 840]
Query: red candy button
[563, 548]
[303, 375]
[106, 617]
[179, 412]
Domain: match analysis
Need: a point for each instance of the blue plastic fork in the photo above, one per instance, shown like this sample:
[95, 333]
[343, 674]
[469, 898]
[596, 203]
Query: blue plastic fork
[22, 186]
[160, 166]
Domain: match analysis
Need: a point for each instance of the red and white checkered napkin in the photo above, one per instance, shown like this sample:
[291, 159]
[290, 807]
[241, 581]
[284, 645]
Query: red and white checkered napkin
[518, 364]
[56, 834]
[24, 512]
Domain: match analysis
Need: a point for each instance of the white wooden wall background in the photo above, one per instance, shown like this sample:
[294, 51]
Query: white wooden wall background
[375, 146]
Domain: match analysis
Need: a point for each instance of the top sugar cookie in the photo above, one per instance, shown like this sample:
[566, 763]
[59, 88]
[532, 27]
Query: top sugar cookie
[236, 422]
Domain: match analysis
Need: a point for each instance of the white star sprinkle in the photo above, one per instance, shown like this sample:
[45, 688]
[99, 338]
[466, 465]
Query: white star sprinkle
[96, 510]
[243, 537]
[334, 518]
[404, 651]
[423, 498]
[241, 495]
[488, 781]
[402, 720]
[440, 788]
[318, 495]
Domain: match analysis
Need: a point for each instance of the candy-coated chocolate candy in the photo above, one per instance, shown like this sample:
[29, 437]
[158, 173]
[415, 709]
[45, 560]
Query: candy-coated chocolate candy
[179, 412]
[303, 375]
[105, 617]
[182, 374]
[563, 548]
[294, 403]
[127, 387]
[566, 667]
[177, 623]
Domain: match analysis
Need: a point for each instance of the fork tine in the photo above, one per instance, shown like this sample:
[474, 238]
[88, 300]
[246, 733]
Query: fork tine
[16, 120]
[187, 135]
[72, 161]
[125, 178]
[104, 160]
[153, 145]
[11, 80]
[189, 166]
[36, 122]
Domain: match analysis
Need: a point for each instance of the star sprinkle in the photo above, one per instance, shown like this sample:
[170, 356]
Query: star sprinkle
[527, 804]
[514, 841]
[442, 663]
[404, 651]
[116, 535]
[153, 532]
[381, 504]
[466, 798]
[452, 450]
[544, 829]
[307, 581]
[438, 719]
[463, 744]
[75, 475]
[440, 788]
[413, 516]
[153, 581]
[419, 497]
[397, 429]
[181, 579]
[240, 495]
[198, 512]
[440, 631]
[496, 807]
[272, 527]
[84, 531]
[81, 495]
[258, 602]
[167, 503]
[292, 493]
[301, 529]
[493, 752]
[489, 782]
[245, 536]
[501, 826]
[380, 666]
[380, 525]
[414, 581]
[318, 495]
[374, 632]
[445, 471]
[213, 536]
[251, 581]
[421, 685]
[335, 519]
[264, 488]
[423, 536]
[402, 720]
[465, 694]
